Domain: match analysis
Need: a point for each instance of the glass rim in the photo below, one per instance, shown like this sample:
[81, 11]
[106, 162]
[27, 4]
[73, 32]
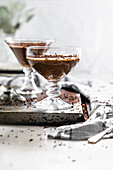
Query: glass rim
[27, 40]
[53, 47]
[74, 55]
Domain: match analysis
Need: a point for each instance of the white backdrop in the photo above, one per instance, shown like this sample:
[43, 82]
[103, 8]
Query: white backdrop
[86, 23]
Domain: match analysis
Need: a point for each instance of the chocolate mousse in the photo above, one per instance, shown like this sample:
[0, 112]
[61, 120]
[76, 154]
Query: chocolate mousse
[53, 67]
[19, 50]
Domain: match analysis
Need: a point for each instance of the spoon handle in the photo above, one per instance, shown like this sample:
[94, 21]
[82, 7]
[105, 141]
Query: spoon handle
[96, 138]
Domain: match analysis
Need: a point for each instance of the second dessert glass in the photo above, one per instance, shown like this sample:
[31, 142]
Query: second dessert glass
[19, 47]
[53, 64]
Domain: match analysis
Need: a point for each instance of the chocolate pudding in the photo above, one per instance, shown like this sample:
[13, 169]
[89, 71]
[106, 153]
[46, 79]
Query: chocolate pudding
[19, 50]
[53, 67]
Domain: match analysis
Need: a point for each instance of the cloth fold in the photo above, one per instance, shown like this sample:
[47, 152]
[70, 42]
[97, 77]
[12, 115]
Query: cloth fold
[78, 132]
[100, 95]
[82, 131]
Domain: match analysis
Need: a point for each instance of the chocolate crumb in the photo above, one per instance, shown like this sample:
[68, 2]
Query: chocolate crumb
[45, 127]
[12, 130]
[69, 147]
[60, 144]
[30, 140]
[8, 136]
[41, 139]
[1, 135]
[32, 130]
[73, 160]
[38, 134]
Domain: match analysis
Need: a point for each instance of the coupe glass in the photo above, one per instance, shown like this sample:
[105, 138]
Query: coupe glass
[53, 64]
[19, 47]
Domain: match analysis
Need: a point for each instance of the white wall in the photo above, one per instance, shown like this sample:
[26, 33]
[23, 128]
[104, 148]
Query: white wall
[86, 23]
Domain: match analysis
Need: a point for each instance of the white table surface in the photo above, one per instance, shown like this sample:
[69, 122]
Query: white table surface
[18, 153]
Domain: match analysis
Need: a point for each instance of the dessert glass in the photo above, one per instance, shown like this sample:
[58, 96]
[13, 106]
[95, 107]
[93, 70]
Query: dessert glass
[53, 64]
[19, 46]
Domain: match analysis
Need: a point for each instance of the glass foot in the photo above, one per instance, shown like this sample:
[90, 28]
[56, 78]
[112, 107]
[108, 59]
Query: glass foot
[54, 104]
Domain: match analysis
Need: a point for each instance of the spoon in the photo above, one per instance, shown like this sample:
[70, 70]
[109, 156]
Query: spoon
[94, 139]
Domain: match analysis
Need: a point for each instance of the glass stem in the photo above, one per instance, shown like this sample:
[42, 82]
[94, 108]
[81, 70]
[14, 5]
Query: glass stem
[31, 83]
[53, 90]
[35, 79]
[27, 81]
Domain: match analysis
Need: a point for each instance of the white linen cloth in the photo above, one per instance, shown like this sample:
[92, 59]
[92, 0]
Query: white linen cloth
[100, 95]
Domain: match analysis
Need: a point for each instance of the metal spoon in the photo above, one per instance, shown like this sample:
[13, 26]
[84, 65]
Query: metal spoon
[97, 137]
